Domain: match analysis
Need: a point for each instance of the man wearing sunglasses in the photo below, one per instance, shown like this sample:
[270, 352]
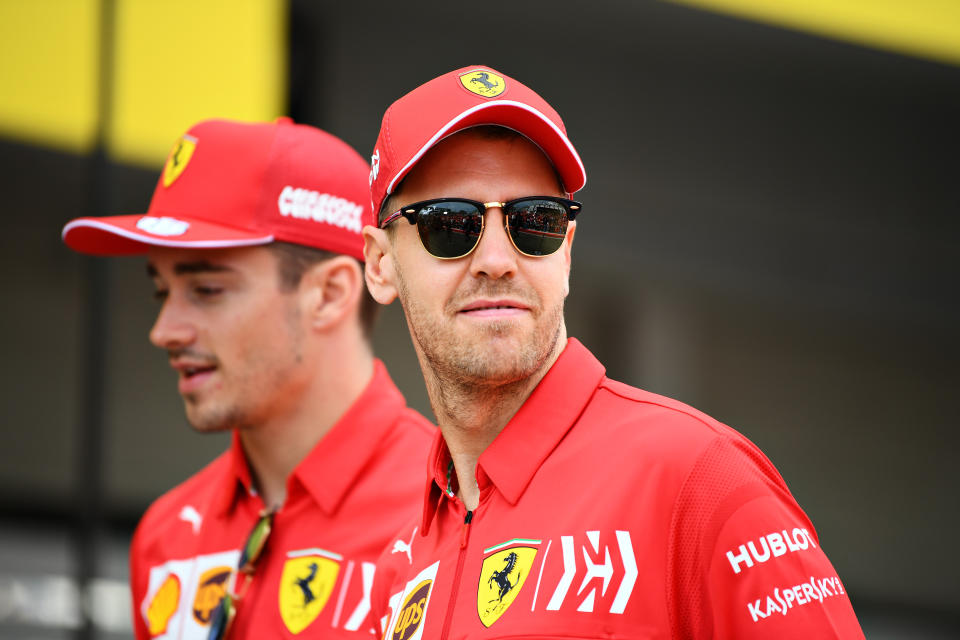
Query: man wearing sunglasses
[559, 503]
[253, 242]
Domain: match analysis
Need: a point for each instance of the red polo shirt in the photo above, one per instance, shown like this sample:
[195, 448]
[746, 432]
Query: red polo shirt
[609, 512]
[344, 501]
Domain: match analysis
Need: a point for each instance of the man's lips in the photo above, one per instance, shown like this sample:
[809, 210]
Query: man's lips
[193, 373]
[494, 308]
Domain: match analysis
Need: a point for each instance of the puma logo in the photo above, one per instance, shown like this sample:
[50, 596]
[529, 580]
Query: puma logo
[191, 515]
[400, 546]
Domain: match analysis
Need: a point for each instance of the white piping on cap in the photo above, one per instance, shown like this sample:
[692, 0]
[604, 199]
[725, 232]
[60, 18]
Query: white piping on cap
[486, 105]
[158, 242]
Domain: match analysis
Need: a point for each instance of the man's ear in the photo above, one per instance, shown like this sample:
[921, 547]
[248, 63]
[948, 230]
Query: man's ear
[379, 269]
[331, 290]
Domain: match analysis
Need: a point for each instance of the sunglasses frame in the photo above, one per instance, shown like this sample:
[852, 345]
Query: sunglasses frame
[412, 213]
[226, 610]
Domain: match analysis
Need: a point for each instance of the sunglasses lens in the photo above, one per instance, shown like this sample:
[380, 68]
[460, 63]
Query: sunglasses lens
[537, 227]
[221, 618]
[449, 229]
[255, 543]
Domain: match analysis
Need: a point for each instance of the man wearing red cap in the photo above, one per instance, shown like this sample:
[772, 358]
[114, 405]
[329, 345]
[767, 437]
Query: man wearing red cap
[254, 248]
[559, 503]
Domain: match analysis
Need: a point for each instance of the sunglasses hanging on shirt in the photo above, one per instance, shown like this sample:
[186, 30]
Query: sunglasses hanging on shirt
[223, 615]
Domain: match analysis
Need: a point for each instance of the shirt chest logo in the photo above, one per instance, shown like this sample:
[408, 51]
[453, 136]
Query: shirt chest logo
[305, 586]
[163, 605]
[211, 588]
[504, 571]
[409, 607]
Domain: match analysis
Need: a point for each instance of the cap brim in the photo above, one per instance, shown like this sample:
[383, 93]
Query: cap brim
[523, 119]
[126, 235]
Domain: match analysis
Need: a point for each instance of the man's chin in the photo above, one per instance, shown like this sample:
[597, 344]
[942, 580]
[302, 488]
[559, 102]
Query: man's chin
[208, 421]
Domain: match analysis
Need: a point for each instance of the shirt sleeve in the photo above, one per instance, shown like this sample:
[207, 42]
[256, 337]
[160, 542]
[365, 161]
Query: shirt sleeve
[745, 560]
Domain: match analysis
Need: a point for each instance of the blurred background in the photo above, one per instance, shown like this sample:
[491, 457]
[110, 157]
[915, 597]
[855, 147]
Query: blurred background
[772, 200]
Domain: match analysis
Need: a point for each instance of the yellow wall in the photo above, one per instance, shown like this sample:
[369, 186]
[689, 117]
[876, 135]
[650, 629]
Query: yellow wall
[174, 62]
[924, 28]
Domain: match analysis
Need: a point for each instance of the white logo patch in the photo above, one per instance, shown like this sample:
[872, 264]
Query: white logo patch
[402, 546]
[602, 569]
[191, 515]
[374, 165]
[164, 226]
[305, 204]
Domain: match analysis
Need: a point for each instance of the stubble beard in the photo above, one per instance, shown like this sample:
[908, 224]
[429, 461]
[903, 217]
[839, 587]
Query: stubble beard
[495, 358]
[237, 412]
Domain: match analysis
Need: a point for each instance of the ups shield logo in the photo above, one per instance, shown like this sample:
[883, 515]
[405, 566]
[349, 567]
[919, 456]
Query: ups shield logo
[483, 83]
[305, 587]
[177, 160]
[411, 614]
[210, 590]
[501, 578]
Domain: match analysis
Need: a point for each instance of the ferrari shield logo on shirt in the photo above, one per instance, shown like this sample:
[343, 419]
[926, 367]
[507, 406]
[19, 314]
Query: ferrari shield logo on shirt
[211, 588]
[411, 608]
[163, 605]
[483, 83]
[305, 586]
[178, 159]
[502, 576]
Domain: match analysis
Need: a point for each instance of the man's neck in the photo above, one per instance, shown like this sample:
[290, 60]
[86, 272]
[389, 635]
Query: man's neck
[276, 446]
[471, 415]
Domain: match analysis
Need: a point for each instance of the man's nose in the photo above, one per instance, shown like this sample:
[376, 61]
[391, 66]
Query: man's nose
[172, 328]
[495, 256]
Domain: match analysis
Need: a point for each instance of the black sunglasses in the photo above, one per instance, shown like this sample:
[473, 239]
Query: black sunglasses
[451, 227]
[223, 615]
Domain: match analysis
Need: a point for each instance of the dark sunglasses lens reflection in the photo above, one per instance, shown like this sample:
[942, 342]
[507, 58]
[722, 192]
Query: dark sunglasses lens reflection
[449, 229]
[537, 227]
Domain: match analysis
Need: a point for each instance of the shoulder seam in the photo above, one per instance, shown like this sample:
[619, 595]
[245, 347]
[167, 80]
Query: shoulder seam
[712, 423]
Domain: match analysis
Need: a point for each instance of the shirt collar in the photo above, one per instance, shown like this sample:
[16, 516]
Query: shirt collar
[512, 459]
[338, 459]
[237, 479]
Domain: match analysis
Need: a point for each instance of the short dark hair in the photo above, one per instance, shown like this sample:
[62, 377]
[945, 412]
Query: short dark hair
[485, 131]
[293, 260]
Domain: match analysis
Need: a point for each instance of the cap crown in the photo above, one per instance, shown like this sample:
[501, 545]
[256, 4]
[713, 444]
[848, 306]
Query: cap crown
[463, 98]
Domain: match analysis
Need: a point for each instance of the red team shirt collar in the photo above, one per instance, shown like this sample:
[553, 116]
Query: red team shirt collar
[513, 458]
[332, 466]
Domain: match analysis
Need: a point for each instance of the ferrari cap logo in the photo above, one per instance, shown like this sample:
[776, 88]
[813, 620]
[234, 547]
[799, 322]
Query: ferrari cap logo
[305, 586]
[163, 605]
[178, 159]
[502, 576]
[483, 83]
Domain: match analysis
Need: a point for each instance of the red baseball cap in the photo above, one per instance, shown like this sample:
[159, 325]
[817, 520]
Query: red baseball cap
[233, 184]
[464, 98]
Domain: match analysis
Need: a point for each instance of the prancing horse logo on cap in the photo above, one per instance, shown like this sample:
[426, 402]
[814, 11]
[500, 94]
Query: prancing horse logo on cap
[178, 159]
[483, 83]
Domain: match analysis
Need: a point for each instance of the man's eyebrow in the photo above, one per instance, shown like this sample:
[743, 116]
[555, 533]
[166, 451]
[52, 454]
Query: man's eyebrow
[183, 268]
